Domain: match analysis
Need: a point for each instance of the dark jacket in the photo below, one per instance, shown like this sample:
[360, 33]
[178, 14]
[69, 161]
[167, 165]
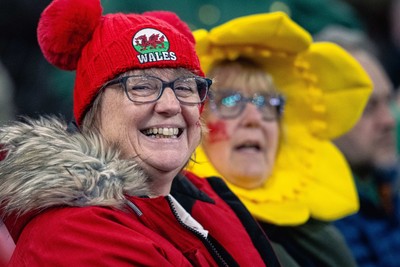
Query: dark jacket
[373, 234]
[312, 244]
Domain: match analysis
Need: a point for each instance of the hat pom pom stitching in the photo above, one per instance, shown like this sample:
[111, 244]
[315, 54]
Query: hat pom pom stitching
[173, 20]
[65, 27]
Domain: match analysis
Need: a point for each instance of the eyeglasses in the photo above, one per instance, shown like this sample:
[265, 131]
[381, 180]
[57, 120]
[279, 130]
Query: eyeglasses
[230, 104]
[148, 89]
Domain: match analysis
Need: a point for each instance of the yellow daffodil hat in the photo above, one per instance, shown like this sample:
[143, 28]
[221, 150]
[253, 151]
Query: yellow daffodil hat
[325, 90]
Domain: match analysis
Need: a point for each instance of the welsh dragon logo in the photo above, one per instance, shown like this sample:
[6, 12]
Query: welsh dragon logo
[152, 45]
[150, 40]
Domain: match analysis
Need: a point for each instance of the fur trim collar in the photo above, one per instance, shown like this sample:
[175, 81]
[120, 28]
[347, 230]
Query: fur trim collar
[46, 167]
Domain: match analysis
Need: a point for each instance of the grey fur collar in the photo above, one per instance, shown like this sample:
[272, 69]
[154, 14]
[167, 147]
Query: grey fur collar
[46, 166]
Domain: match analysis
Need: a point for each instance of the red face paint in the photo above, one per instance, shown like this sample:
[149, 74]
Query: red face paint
[217, 131]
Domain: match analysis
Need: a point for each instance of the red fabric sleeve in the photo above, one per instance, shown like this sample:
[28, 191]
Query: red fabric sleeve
[92, 236]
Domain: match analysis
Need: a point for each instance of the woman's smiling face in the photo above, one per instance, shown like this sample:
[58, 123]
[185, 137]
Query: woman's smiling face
[160, 136]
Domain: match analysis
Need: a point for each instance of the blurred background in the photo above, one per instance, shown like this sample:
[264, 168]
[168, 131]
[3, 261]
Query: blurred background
[31, 86]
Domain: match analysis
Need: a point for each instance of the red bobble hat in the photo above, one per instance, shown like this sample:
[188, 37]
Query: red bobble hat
[74, 35]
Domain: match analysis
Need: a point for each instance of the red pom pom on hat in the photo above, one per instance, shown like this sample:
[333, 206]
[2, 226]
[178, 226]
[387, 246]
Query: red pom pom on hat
[64, 29]
[174, 21]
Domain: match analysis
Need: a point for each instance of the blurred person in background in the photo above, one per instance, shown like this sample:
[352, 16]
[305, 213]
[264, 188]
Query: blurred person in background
[373, 233]
[279, 158]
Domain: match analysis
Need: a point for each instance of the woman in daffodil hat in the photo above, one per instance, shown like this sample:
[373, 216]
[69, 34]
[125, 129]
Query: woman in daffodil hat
[278, 100]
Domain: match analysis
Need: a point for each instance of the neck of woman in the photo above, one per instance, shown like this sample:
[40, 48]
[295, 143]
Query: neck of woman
[161, 182]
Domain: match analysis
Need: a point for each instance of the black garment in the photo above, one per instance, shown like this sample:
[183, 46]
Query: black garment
[313, 244]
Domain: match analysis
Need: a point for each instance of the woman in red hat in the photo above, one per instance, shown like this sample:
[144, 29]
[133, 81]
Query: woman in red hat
[109, 190]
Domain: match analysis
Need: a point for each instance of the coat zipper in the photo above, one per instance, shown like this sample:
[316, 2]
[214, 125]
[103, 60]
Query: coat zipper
[197, 233]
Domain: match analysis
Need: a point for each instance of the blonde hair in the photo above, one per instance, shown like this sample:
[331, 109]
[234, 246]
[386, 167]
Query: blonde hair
[241, 73]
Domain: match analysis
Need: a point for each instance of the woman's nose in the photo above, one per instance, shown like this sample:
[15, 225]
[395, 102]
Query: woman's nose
[168, 103]
[385, 116]
[251, 115]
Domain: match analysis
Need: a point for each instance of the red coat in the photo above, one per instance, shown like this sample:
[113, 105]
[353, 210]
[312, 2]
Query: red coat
[69, 201]
[100, 236]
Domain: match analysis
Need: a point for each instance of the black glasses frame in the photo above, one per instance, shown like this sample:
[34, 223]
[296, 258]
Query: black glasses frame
[122, 80]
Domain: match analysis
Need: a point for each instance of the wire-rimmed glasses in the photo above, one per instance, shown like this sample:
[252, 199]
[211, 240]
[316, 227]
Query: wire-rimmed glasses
[229, 104]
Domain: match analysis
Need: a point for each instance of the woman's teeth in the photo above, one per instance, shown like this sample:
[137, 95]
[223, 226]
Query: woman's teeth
[162, 132]
[250, 145]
